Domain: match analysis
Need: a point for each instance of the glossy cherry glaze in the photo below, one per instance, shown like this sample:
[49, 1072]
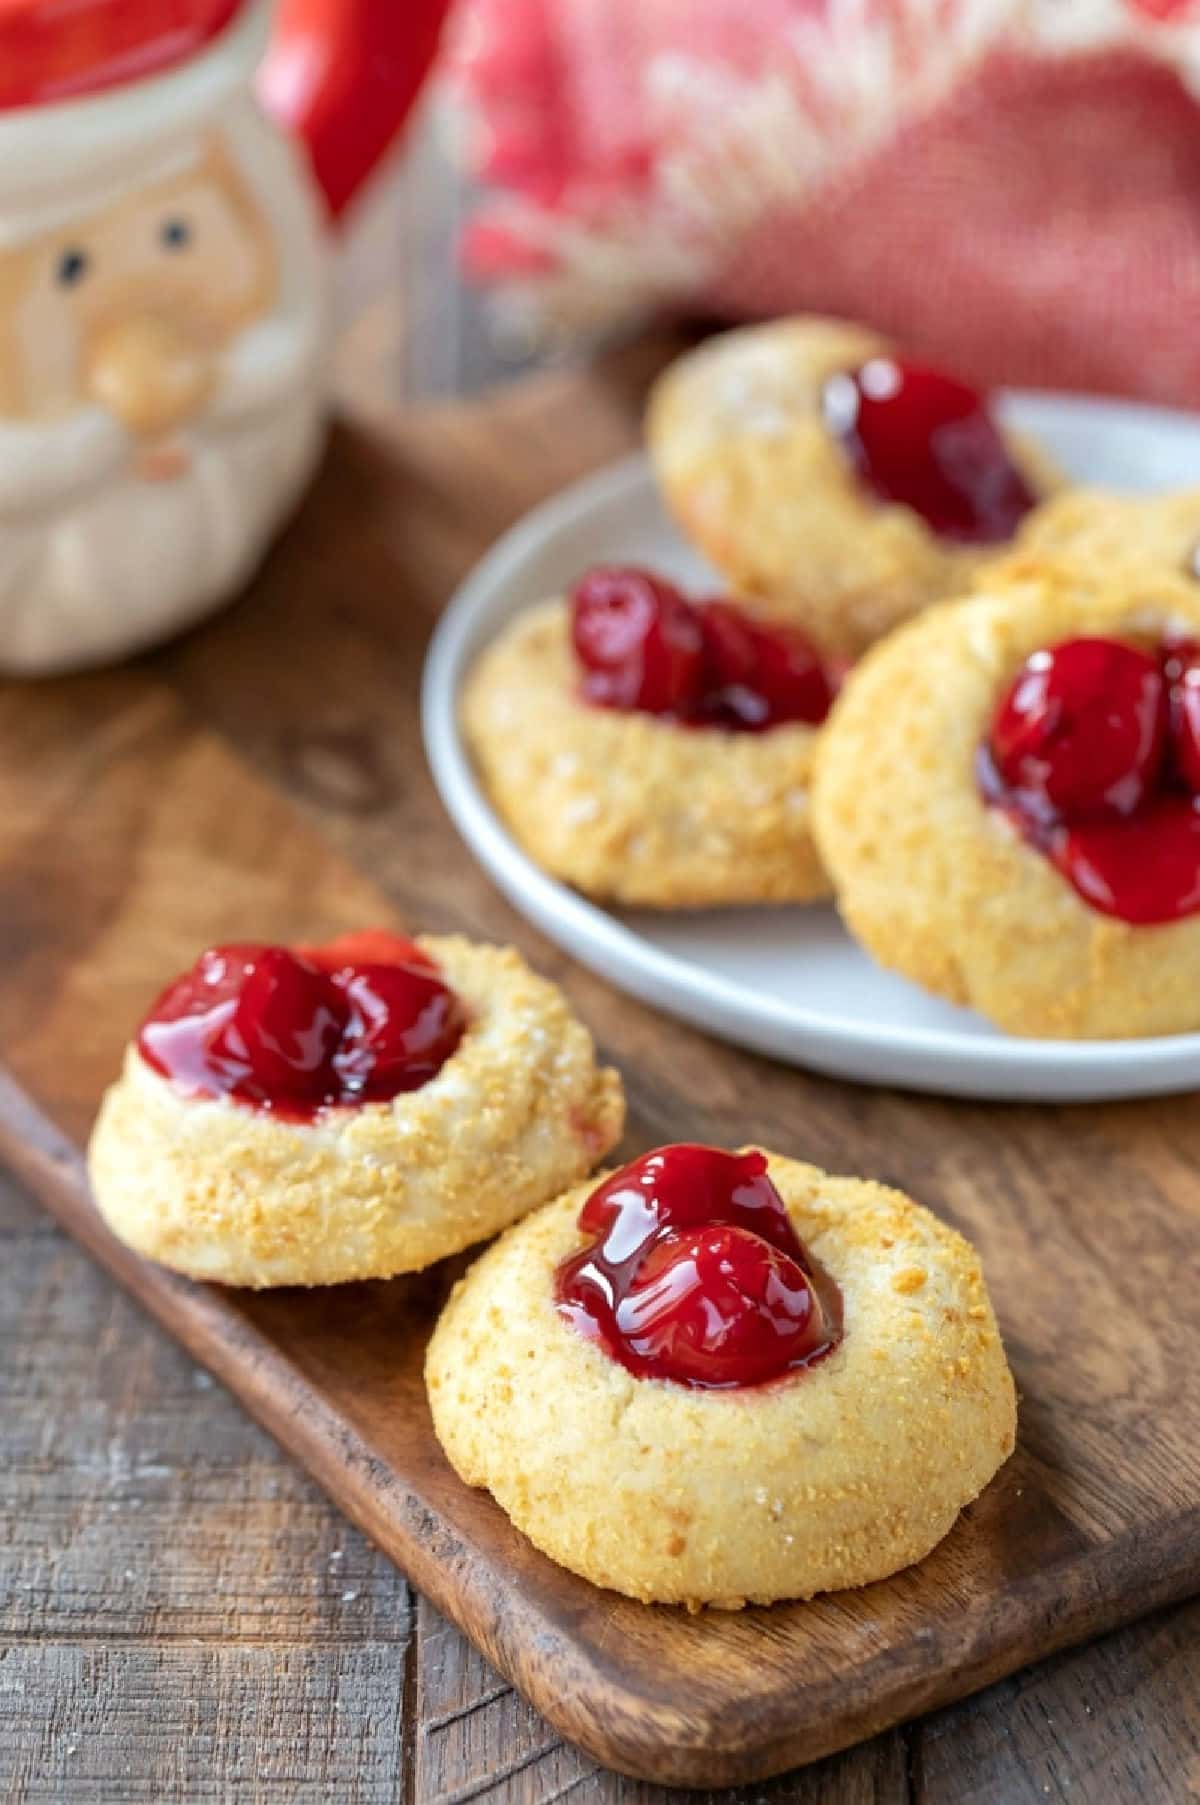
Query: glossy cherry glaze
[694, 1273]
[637, 639]
[295, 1031]
[644, 646]
[1082, 731]
[1181, 668]
[1094, 755]
[928, 442]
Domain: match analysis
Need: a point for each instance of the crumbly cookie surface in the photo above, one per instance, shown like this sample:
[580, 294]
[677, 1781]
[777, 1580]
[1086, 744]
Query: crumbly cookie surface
[630, 808]
[833, 1477]
[1104, 532]
[220, 1191]
[756, 481]
[942, 888]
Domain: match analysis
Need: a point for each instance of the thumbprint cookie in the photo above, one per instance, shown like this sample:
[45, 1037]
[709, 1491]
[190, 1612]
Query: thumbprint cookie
[309, 1115]
[845, 484]
[1105, 532]
[653, 750]
[1008, 800]
[725, 1378]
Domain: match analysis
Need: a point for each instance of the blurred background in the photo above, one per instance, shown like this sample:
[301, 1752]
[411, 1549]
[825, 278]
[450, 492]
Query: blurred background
[1011, 185]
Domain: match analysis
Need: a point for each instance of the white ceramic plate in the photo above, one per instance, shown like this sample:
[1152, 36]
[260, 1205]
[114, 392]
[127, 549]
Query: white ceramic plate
[786, 981]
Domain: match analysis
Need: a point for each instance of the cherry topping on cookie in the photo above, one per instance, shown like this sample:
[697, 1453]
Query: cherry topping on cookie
[638, 640]
[1145, 869]
[1082, 728]
[1094, 755]
[684, 1186]
[1181, 669]
[294, 1032]
[759, 676]
[718, 1306]
[927, 441]
[694, 1273]
[286, 1024]
[643, 646]
[404, 1024]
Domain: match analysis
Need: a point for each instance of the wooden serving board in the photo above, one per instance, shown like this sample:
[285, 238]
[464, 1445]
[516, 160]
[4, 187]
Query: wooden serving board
[264, 778]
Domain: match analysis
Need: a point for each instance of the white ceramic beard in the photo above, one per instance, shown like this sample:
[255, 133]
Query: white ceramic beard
[98, 559]
[94, 575]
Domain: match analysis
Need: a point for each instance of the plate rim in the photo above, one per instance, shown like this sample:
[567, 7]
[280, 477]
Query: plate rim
[714, 1003]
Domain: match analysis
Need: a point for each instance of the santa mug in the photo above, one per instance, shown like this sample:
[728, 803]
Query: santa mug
[164, 250]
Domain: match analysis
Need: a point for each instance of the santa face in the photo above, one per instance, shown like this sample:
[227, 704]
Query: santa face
[159, 398]
[131, 308]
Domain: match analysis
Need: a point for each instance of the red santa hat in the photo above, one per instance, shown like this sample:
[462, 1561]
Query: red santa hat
[95, 91]
[51, 52]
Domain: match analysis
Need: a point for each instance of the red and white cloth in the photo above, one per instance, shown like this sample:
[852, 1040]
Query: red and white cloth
[1011, 187]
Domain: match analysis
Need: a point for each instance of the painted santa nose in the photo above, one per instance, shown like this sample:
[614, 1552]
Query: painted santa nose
[149, 372]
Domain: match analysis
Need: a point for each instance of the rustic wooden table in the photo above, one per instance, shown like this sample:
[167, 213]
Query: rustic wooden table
[183, 1616]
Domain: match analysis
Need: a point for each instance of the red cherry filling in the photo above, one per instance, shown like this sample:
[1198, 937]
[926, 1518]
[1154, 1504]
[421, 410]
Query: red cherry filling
[1181, 668]
[642, 645]
[404, 1025]
[1082, 729]
[1094, 755]
[296, 1032]
[1145, 869]
[285, 1027]
[695, 1273]
[716, 1306]
[928, 442]
[638, 640]
[758, 676]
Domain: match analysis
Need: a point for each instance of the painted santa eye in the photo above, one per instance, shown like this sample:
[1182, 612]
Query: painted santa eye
[72, 266]
[175, 234]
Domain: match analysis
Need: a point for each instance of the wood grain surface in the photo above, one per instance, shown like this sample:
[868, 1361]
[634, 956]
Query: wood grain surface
[145, 813]
[184, 1616]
